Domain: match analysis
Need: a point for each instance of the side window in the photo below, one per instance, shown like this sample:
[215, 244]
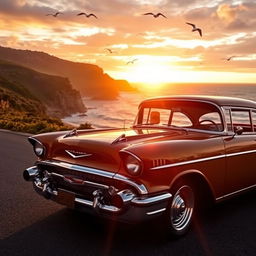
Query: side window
[156, 116]
[241, 118]
[146, 112]
[211, 121]
[228, 119]
[180, 120]
[254, 120]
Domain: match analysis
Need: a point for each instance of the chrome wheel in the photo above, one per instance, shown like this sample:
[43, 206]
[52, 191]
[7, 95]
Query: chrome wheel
[182, 208]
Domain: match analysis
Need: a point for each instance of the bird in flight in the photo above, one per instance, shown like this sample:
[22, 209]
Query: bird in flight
[54, 14]
[199, 30]
[109, 50]
[155, 15]
[131, 61]
[229, 58]
[87, 15]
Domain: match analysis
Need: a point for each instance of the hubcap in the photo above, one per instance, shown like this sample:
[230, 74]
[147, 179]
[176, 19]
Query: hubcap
[182, 208]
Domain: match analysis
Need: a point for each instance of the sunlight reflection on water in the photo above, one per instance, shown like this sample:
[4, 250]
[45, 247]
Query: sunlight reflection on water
[117, 113]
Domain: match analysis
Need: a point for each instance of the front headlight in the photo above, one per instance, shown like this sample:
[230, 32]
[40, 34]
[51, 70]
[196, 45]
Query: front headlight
[38, 147]
[132, 164]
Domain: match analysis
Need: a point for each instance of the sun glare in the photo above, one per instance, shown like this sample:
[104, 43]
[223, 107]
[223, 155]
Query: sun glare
[152, 73]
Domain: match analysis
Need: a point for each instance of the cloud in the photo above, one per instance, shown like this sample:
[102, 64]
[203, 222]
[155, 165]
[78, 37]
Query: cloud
[229, 13]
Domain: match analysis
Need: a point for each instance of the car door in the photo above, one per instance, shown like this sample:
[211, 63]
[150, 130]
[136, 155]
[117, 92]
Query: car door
[240, 150]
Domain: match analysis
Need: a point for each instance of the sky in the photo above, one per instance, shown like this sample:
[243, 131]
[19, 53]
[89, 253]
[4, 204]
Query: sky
[144, 48]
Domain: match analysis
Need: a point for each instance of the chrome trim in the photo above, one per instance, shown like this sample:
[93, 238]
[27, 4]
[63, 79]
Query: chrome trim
[84, 201]
[42, 187]
[140, 187]
[108, 208]
[85, 181]
[79, 168]
[151, 200]
[187, 162]
[77, 156]
[157, 211]
[236, 192]
[30, 173]
[202, 159]
[121, 138]
[132, 154]
[241, 153]
[71, 133]
[32, 140]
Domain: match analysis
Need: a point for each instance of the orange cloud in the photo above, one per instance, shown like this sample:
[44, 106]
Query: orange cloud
[228, 13]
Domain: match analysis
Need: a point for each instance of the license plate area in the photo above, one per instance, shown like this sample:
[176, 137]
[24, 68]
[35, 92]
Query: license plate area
[66, 198]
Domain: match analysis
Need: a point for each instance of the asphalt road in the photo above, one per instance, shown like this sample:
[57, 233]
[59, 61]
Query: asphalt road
[31, 225]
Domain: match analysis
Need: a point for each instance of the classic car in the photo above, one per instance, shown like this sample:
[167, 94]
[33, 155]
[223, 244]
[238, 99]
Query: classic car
[181, 153]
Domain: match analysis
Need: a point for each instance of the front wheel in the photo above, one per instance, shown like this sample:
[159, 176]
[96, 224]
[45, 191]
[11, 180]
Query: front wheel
[181, 209]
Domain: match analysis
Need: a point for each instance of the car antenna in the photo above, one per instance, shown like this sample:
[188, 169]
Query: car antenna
[124, 124]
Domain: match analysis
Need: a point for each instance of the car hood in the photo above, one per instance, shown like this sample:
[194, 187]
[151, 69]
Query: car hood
[96, 148]
[100, 148]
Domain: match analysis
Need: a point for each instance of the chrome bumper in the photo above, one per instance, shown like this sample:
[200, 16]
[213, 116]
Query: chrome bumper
[129, 206]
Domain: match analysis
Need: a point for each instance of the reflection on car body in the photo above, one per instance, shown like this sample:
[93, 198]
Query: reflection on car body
[182, 152]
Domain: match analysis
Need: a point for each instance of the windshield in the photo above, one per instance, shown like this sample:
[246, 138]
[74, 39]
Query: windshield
[180, 114]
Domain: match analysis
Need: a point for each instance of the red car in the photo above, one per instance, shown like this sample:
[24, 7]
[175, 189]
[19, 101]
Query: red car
[181, 153]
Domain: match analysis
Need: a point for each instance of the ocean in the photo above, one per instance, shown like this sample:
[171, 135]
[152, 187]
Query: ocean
[122, 112]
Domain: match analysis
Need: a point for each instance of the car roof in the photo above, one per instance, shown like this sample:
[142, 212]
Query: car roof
[218, 100]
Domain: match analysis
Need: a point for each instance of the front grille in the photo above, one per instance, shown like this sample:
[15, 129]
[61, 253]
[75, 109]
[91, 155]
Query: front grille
[92, 181]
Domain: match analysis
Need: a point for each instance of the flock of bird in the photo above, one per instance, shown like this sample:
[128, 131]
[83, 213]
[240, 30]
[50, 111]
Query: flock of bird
[155, 15]
[148, 13]
[55, 15]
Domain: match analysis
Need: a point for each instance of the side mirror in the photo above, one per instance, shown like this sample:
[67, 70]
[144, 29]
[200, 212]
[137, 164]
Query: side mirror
[238, 130]
[154, 117]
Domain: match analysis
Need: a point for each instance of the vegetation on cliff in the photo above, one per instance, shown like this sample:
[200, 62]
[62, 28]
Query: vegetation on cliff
[90, 80]
[55, 93]
[23, 112]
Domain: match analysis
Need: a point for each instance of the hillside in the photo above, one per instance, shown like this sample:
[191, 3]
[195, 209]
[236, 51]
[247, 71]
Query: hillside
[21, 111]
[55, 93]
[89, 79]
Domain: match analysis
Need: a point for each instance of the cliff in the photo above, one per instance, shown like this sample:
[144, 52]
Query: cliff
[89, 79]
[54, 93]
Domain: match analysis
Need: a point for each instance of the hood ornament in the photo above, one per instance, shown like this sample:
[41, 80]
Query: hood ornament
[71, 133]
[76, 154]
[122, 137]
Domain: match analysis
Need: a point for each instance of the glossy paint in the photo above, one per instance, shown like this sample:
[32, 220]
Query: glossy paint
[224, 161]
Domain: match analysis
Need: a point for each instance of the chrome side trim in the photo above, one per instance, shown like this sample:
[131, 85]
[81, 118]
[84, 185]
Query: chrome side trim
[241, 153]
[140, 187]
[151, 200]
[157, 211]
[202, 160]
[236, 192]
[187, 162]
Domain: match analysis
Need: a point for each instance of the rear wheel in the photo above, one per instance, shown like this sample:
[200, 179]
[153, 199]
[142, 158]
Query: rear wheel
[181, 209]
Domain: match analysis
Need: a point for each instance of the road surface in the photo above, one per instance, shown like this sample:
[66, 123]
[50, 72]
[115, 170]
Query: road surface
[31, 225]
